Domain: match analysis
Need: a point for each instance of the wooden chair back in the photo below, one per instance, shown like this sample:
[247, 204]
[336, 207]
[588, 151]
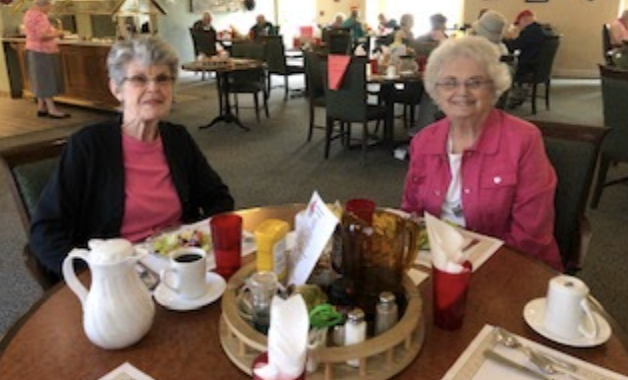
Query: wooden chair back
[27, 169]
[573, 151]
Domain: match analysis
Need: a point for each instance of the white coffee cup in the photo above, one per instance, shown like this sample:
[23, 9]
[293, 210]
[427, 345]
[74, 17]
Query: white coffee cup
[391, 71]
[567, 311]
[186, 275]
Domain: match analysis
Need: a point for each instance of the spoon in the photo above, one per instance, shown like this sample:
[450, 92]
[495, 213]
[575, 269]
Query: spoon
[544, 361]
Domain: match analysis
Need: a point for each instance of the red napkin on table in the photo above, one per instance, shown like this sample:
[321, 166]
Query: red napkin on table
[336, 68]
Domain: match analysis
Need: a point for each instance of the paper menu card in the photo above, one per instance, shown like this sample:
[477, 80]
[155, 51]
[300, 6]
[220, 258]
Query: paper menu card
[473, 365]
[316, 227]
[126, 371]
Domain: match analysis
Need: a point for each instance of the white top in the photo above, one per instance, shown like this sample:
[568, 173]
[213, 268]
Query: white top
[452, 204]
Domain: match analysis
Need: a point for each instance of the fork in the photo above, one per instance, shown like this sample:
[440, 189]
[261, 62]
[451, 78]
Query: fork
[539, 359]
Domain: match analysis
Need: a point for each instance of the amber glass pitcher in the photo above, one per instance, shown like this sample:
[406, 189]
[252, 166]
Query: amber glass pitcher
[374, 258]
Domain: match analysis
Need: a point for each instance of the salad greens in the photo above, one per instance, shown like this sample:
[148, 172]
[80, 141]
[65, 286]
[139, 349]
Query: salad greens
[168, 242]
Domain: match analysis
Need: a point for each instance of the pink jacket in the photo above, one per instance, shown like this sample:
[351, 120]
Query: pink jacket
[508, 183]
[37, 25]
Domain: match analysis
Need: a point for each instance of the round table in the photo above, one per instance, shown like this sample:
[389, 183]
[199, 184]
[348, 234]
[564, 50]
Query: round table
[49, 341]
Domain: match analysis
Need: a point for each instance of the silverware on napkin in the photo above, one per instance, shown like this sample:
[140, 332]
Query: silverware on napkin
[540, 359]
[501, 359]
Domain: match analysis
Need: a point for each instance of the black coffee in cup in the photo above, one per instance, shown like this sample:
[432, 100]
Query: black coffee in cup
[188, 258]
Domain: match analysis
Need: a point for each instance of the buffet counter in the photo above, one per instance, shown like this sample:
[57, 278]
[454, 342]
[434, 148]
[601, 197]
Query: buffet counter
[84, 71]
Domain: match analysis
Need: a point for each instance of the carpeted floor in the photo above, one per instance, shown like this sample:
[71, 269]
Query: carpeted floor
[273, 164]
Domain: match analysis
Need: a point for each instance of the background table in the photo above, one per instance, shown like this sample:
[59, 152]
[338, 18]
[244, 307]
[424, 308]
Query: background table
[223, 69]
[49, 343]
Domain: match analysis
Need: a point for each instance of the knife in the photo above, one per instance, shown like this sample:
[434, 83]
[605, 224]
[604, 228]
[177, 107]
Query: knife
[499, 358]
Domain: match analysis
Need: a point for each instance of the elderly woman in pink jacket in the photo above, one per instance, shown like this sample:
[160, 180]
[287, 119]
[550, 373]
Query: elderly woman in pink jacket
[479, 167]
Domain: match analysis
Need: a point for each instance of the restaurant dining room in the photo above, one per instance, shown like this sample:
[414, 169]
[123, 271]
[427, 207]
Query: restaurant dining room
[313, 189]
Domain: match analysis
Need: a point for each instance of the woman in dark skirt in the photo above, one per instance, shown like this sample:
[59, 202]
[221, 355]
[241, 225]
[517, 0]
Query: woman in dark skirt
[42, 54]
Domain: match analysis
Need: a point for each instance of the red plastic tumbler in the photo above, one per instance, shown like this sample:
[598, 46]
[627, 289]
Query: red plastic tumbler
[362, 208]
[450, 296]
[226, 232]
[374, 66]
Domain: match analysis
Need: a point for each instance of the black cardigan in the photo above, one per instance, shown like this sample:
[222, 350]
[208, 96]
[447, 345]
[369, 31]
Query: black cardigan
[84, 199]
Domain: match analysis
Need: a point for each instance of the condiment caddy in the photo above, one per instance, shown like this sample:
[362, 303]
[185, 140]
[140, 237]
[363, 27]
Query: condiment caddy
[379, 357]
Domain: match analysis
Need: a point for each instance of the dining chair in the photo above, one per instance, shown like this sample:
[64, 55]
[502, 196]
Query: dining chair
[607, 47]
[573, 151]
[315, 88]
[27, 169]
[348, 105]
[340, 42]
[251, 81]
[614, 100]
[204, 42]
[542, 72]
[277, 63]
[409, 96]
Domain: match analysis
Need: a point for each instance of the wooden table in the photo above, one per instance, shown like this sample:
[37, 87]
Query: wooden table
[387, 88]
[49, 341]
[223, 69]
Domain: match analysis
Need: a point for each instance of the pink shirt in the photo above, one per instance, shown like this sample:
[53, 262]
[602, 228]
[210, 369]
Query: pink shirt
[37, 25]
[508, 183]
[618, 32]
[151, 202]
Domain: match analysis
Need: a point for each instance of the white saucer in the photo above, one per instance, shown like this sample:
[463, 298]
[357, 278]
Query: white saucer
[166, 297]
[534, 315]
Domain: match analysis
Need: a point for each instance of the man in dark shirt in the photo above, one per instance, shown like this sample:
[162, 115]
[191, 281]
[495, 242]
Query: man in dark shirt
[261, 28]
[528, 43]
[204, 23]
[204, 36]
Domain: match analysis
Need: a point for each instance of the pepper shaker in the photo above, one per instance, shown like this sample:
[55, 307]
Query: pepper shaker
[387, 313]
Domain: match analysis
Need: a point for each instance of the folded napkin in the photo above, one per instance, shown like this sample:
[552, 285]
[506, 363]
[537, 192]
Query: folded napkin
[446, 244]
[336, 69]
[359, 51]
[287, 339]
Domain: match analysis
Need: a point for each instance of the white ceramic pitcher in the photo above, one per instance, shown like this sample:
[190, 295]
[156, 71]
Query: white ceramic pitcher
[117, 309]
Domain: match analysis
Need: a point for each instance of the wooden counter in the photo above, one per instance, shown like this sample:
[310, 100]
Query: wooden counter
[84, 72]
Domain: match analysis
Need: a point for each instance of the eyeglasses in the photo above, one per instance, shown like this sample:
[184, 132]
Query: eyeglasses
[142, 81]
[472, 84]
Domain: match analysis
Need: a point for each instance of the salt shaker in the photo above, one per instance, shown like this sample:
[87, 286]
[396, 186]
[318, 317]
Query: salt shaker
[355, 331]
[387, 313]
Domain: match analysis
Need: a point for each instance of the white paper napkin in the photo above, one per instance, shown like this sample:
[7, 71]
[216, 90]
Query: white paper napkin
[359, 51]
[287, 339]
[446, 244]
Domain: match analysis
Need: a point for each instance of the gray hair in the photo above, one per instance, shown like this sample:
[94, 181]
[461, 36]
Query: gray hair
[479, 49]
[406, 19]
[146, 50]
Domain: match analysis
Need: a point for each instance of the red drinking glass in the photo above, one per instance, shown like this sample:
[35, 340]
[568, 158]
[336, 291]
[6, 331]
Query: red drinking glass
[226, 230]
[362, 208]
[450, 296]
[374, 66]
